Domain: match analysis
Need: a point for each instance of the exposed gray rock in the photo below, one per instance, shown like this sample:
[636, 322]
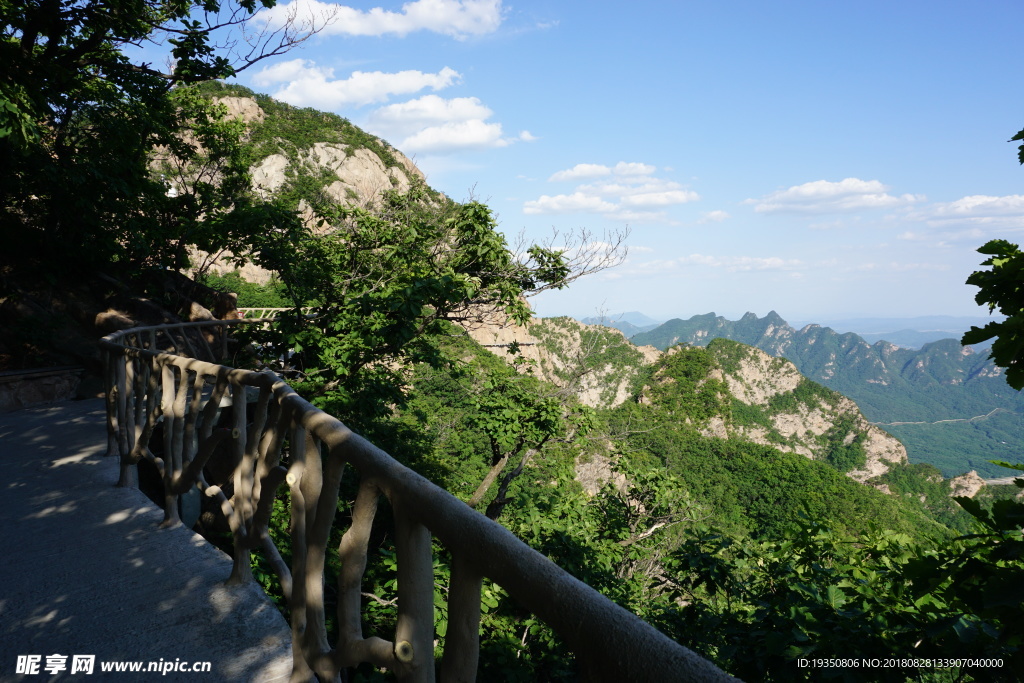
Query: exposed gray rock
[967, 484]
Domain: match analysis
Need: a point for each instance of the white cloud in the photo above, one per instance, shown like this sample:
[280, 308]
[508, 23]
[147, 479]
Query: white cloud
[581, 171]
[822, 196]
[568, 203]
[622, 169]
[660, 198]
[433, 124]
[459, 19]
[974, 219]
[455, 136]
[630, 186]
[976, 210]
[742, 263]
[405, 118]
[713, 217]
[309, 85]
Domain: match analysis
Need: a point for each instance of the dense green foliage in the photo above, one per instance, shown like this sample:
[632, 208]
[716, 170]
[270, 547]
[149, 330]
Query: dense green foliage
[250, 295]
[721, 542]
[751, 556]
[749, 488]
[592, 355]
[292, 130]
[999, 288]
[78, 125]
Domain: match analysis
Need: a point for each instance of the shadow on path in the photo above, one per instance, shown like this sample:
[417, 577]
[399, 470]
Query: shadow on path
[87, 571]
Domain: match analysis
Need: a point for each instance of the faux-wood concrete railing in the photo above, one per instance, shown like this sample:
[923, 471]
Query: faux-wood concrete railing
[148, 386]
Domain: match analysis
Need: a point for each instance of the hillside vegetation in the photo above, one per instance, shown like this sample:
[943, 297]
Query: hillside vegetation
[716, 492]
[950, 407]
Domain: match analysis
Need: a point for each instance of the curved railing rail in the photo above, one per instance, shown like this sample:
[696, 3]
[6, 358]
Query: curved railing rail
[190, 397]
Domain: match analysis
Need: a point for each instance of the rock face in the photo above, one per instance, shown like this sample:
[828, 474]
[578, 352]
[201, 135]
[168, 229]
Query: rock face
[600, 367]
[797, 417]
[350, 175]
[597, 364]
[244, 108]
[966, 484]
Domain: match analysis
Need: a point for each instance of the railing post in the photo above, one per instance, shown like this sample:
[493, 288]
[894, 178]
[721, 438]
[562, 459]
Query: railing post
[110, 383]
[129, 479]
[462, 640]
[414, 635]
[241, 502]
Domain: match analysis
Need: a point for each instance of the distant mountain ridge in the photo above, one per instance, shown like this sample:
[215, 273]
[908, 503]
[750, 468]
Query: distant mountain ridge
[629, 324]
[941, 381]
[912, 332]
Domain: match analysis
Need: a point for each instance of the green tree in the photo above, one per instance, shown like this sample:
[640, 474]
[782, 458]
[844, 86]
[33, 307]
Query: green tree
[384, 282]
[79, 120]
[1002, 287]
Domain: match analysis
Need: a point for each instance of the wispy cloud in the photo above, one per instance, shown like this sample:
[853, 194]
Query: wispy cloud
[973, 219]
[586, 171]
[434, 125]
[459, 19]
[630, 188]
[742, 263]
[713, 217]
[309, 85]
[975, 210]
[568, 203]
[823, 196]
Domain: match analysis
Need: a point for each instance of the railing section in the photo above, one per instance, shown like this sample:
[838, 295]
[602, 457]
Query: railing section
[164, 375]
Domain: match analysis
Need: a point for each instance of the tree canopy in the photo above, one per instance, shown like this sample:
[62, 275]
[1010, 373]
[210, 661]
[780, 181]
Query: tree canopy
[79, 120]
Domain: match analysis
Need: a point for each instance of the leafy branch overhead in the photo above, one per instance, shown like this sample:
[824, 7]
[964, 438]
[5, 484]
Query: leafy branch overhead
[1002, 288]
[79, 118]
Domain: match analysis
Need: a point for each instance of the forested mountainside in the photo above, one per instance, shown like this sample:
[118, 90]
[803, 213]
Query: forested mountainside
[746, 511]
[950, 406]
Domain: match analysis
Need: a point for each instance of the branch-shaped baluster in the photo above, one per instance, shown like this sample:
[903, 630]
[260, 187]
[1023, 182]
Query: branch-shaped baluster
[174, 427]
[414, 634]
[122, 404]
[254, 439]
[223, 343]
[301, 669]
[241, 500]
[261, 537]
[194, 470]
[352, 648]
[462, 639]
[129, 476]
[189, 439]
[142, 400]
[183, 331]
[110, 360]
[211, 412]
[131, 394]
[320, 496]
[270, 446]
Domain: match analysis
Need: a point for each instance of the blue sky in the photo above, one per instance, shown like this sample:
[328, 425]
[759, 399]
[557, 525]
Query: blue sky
[821, 159]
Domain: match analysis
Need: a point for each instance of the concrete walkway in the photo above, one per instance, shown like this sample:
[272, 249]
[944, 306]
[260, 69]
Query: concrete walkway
[85, 570]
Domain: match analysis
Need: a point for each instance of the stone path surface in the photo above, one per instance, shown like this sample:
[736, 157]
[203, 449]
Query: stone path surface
[85, 569]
